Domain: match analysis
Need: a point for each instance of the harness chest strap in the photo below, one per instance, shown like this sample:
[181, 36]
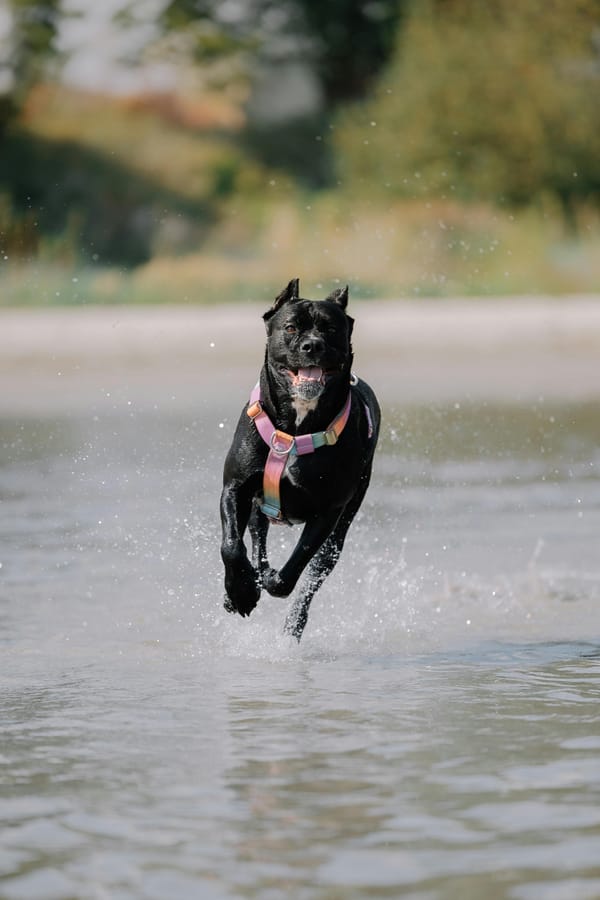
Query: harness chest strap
[282, 445]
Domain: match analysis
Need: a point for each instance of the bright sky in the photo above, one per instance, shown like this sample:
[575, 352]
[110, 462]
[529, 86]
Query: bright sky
[98, 49]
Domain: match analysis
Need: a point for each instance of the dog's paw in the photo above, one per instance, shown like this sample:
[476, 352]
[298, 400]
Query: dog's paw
[228, 605]
[242, 592]
[242, 604]
[275, 585]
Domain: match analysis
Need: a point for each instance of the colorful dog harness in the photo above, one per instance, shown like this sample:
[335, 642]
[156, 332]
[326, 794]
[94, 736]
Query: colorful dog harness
[282, 446]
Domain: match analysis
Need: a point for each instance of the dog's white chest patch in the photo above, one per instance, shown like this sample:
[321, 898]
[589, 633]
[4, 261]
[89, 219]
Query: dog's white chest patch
[303, 407]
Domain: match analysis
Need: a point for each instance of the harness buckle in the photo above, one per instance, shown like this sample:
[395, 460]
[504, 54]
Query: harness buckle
[254, 410]
[281, 436]
[331, 437]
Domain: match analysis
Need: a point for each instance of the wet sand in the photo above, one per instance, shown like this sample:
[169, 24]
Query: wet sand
[93, 358]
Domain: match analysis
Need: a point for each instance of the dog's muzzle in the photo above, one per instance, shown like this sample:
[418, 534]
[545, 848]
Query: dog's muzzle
[307, 383]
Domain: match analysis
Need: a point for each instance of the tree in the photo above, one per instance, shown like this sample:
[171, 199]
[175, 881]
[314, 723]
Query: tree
[498, 101]
[347, 42]
[300, 59]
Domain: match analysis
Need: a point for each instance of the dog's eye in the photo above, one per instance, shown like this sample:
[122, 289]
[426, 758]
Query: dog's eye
[291, 329]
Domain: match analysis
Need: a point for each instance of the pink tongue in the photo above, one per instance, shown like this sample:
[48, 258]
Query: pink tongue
[313, 373]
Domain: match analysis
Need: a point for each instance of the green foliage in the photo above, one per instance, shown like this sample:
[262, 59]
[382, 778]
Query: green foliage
[489, 101]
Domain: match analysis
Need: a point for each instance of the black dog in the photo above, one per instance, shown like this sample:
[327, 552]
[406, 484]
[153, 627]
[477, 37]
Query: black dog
[302, 453]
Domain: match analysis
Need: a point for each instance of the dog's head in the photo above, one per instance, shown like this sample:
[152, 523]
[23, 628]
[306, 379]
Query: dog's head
[308, 342]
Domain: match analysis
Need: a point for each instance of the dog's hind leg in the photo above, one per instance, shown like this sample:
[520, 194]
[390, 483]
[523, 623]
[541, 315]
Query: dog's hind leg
[281, 583]
[321, 566]
[323, 563]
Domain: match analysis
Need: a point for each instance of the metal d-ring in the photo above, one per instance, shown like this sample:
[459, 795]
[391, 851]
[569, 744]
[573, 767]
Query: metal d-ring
[277, 450]
[353, 379]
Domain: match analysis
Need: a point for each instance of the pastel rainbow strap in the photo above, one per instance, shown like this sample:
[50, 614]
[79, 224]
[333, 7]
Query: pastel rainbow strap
[282, 446]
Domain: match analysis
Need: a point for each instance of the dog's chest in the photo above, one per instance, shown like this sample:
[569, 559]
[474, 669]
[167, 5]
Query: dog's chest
[302, 408]
[306, 473]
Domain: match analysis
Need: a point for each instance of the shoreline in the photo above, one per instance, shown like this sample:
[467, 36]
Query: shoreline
[67, 360]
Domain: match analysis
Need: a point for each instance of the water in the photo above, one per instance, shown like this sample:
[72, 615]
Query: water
[436, 733]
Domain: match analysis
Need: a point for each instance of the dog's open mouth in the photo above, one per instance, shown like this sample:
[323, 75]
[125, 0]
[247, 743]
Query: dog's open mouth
[307, 382]
[309, 375]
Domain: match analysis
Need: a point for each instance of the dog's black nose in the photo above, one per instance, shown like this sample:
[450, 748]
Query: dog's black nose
[312, 345]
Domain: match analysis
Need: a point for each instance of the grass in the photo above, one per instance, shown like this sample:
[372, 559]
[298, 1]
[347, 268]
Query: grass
[407, 251]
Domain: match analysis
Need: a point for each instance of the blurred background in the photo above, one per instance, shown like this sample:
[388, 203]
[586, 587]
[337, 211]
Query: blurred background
[196, 151]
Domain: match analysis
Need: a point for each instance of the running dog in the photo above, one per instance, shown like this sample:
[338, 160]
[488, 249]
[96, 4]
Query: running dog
[302, 453]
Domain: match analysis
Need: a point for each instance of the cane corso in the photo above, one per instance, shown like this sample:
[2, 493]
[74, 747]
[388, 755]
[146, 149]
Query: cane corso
[301, 454]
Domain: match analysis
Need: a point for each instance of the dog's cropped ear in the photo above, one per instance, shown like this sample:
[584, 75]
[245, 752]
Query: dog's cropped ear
[289, 293]
[339, 296]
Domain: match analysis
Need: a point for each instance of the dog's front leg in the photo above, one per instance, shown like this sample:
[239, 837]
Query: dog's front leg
[241, 583]
[258, 527]
[316, 531]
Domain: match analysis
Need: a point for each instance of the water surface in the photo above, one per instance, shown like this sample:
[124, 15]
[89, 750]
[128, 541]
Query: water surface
[436, 733]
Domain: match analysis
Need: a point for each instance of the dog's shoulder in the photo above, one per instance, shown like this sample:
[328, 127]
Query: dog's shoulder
[247, 452]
